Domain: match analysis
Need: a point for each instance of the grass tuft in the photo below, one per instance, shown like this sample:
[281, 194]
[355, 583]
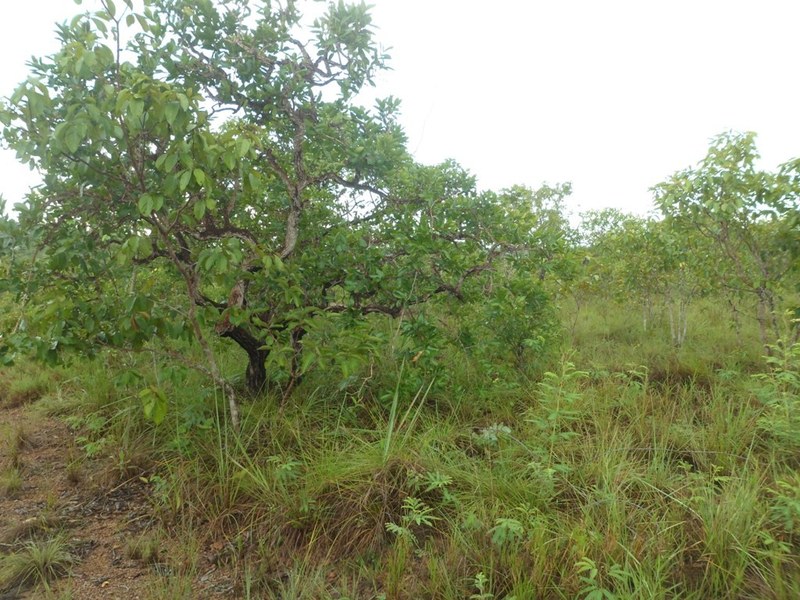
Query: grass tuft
[11, 482]
[35, 563]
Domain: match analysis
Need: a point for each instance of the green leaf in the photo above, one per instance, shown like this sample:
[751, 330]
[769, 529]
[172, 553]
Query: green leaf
[170, 162]
[199, 176]
[229, 158]
[72, 139]
[185, 177]
[154, 404]
[242, 147]
[136, 108]
[145, 204]
[306, 362]
[143, 23]
[101, 26]
[171, 112]
[199, 210]
[184, 101]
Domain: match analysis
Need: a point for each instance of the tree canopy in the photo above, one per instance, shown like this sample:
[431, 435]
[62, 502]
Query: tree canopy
[223, 144]
[750, 218]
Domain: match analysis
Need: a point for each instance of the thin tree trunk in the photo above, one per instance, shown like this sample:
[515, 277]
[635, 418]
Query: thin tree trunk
[685, 311]
[298, 333]
[192, 289]
[766, 317]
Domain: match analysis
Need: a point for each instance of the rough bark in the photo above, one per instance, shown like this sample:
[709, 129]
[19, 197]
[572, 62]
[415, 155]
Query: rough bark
[256, 372]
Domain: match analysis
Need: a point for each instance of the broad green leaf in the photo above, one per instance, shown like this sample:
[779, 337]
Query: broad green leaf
[170, 162]
[136, 108]
[154, 404]
[242, 147]
[184, 101]
[72, 138]
[145, 204]
[230, 160]
[185, 177]
[143, 23]
[171, 111]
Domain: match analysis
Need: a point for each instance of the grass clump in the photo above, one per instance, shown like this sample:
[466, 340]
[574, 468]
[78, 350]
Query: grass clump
[145, 548]
[24, 385]
[11, 482]
[35, 563]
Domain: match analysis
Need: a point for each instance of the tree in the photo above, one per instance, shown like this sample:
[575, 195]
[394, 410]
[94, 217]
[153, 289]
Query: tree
[224, 145]
[644, 261]
[749, 215]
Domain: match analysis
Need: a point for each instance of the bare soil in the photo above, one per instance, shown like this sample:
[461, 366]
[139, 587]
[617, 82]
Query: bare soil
[99, 520]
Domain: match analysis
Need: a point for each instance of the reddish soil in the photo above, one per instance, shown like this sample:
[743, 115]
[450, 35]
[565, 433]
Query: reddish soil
[99, 520]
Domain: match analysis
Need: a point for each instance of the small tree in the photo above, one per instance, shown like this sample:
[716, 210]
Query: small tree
[643, 261]
[224, 145]
[750, 217]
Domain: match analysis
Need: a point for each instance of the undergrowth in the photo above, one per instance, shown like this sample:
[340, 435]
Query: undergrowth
[626, 468]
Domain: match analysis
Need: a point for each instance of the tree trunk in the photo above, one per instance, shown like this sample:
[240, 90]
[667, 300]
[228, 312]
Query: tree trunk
[765, 317]
[256, 374]
[297, 350]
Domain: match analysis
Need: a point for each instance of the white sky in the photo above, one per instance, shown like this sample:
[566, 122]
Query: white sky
[613, 95]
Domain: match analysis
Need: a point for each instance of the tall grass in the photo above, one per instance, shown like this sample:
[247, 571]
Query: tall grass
[628, 469]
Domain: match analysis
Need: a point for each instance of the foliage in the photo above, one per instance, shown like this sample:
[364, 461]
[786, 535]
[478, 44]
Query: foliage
[221, 148]
[646, 262]
[506, 532]
[779, 390]
[610, 477]
[590, 577]
[558, 394]
[416, 515]
[749, 215]
[218, 176]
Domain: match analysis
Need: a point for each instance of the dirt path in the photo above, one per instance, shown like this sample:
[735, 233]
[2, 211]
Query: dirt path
[44, 496]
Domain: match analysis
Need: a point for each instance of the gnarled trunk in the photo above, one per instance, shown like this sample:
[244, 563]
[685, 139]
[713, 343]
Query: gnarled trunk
[256, 373]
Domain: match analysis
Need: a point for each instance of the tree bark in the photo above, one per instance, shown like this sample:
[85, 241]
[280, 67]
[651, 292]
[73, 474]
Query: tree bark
[256, 373]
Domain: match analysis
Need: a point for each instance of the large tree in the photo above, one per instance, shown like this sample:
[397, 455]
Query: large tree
[222, 142]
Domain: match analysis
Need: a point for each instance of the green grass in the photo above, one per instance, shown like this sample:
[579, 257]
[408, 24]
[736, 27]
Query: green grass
[25, 385]
[10, 482]
[35, 563]
[145, 548]
[626, 468]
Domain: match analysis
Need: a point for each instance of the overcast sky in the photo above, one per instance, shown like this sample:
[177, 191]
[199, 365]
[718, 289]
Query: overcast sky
[613, 96]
